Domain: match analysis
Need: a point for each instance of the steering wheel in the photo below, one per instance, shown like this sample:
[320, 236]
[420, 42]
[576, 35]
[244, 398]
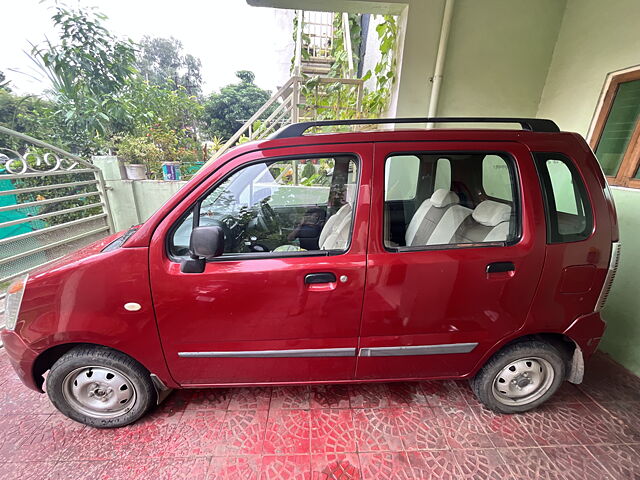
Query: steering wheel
[267, 219]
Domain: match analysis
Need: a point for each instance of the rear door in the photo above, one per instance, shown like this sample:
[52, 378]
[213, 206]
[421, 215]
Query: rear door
[434, 307]
[271, 308]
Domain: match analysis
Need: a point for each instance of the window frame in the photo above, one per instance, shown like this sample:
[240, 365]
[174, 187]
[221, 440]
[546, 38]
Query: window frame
[631, 159]
[195, 206]
[512, 165]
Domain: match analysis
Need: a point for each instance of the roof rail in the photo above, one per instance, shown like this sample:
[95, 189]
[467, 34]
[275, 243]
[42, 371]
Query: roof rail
[531, 124]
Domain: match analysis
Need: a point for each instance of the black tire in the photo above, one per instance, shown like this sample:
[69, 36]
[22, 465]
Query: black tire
[543, 355]
[136, 387]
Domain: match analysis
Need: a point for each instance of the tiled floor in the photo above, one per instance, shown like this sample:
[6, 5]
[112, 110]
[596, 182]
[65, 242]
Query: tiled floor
[378, 431]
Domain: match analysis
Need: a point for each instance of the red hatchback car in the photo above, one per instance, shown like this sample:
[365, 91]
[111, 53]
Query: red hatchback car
[375, 256]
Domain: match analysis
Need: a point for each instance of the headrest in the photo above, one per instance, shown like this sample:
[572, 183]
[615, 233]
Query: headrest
[490, 213]
[443, 197]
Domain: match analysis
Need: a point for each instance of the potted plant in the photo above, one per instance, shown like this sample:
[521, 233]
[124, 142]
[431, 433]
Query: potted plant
[137, 152]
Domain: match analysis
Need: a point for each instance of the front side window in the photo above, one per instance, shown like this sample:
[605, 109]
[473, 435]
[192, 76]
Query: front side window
[461, 199]
[567, 207]
[292, 206]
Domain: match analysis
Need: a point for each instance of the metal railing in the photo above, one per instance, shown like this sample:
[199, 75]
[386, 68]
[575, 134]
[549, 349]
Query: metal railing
[52, 202]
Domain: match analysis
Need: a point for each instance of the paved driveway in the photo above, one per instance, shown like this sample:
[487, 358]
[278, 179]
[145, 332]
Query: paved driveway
[379, 431]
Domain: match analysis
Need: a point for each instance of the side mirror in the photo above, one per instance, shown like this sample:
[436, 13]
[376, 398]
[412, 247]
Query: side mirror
[206, 243]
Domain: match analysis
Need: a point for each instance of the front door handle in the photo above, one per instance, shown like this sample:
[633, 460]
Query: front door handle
[320, 277]
[501, 267]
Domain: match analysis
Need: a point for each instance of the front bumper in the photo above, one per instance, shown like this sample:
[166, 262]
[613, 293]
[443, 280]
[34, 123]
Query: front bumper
[21, 357]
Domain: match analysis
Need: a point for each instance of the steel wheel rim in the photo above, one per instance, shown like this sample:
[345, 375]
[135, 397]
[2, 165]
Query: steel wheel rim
[523, 381]
[100, 392]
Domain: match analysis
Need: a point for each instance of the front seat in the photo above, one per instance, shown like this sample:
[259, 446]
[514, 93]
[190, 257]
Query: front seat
[335, 233]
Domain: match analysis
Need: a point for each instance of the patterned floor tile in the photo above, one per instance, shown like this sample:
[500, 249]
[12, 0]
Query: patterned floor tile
[329, 396]
[376, 429]
[369, 395]
[444, 393]
[232, 468]
[576, 463]
[157, 469]
[49, 441]
[621, 461]
[73, 470]
[249, 399]
[419, 428]
[340, 466]
[406, 393]
[209, 399]
[27, 471]
[505, 430]
[242, 432]
[461, 428]
[625, 417]
[332, 431]
[286, 467]
[16, 431]
[16, 399]
[288, 432]
[385, 465]
[290, 397]
[197, 434]
[436, 465]
[553, 424]
[529, 463]
[482, 465]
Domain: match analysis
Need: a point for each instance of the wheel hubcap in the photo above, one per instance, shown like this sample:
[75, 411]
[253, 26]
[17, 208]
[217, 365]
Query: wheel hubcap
[523, 381]
[99, 391]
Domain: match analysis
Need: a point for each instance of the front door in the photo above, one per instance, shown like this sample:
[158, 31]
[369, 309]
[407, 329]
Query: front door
[456, 248]
[283, 303]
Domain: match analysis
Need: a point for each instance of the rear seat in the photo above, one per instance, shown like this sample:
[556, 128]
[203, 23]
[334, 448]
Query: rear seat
[488, 222]
[428, 216]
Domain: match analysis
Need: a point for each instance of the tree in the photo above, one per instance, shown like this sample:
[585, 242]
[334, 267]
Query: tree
[89, 68]
[161, 62]
[225, 112]
[4, 83]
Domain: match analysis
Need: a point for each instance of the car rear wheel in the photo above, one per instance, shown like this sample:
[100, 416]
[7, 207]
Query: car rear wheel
[100, 387]
[520, 377]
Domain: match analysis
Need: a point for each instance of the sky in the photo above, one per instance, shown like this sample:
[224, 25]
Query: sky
[227, 35]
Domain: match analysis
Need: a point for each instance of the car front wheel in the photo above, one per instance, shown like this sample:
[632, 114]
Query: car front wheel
[100, 387]
[520, 377]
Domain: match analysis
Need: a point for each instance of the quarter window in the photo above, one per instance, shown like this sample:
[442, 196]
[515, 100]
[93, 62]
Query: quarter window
[278, 206]
[567, 207]
[461, 199]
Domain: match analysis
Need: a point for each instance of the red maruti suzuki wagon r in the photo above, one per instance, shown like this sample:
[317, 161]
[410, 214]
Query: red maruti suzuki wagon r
[331, 258]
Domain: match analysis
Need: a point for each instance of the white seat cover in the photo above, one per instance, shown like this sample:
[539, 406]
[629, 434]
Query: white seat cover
[335, 233]
[428, 215]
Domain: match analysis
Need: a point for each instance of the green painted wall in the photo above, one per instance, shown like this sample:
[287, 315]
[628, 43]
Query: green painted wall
[498, 56]
[595, 39]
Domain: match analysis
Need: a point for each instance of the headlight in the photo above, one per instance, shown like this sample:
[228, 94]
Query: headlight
[13, 301]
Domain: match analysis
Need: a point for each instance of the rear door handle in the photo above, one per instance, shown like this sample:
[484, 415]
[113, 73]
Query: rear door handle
[320, 277]
[501, 267]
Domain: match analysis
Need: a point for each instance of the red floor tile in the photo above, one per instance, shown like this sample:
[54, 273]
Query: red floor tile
[385, 465]
[340, 466]
[426, 430]
[286, 467]
[231, 468]
[332, 431]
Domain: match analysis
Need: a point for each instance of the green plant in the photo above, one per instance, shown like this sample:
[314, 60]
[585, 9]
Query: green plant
[88, 68]
[138, 150]
[340, 66]
[376, 101]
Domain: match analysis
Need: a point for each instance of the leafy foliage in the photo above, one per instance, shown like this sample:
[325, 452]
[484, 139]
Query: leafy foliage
[376, 101]
[4, 83]
[162, 63]
[340, 67]
[225, 112]
[89, 69]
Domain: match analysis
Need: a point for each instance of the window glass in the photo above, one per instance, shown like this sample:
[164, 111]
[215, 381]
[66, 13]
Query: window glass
[443, 174]
[279, 206]
[619, 127]
[567, 206]
[496, 177]
[401, 177]
[457, 211]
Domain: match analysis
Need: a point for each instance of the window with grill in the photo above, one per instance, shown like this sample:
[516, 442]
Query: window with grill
[616, 134]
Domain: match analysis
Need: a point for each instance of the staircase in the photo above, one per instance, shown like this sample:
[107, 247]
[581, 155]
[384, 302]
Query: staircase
[299, 99]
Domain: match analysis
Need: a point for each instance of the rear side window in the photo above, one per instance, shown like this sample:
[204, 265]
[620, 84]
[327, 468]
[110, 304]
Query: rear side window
[567, 208]
[401, 177]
